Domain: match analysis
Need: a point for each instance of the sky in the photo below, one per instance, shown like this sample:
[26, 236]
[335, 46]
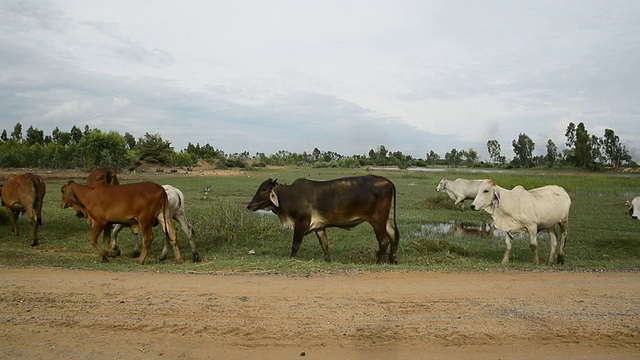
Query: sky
[342, 76]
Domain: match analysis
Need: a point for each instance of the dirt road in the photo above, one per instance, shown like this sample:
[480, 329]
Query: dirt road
[74, 314]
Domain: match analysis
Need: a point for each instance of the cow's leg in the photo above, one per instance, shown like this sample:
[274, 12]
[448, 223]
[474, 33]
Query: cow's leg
[533, 244]
[298, 234]
[136, 244]
[147, 238]
[507, 247]
[14, 218]
[94, 233]
[553, 243]
[393, 234]
[31, 214]
[322, 237]
[383, 240]
[165, 250]
[113, 249]
[460, 202]
[188, 230]
[170, 232]
[564, 227]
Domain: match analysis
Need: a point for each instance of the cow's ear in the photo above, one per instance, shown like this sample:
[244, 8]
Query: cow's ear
[273, 196]
[73, 197]
[496, 198]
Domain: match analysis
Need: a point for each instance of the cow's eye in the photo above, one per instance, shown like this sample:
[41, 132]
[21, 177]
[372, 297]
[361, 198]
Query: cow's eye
[486, 191]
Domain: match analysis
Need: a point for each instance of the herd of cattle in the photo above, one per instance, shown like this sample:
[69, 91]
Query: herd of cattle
[305, 206]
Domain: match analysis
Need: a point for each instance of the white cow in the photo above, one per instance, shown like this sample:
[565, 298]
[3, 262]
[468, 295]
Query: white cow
[531, 210]
[634, 207]
[177, 212]
[459, 189]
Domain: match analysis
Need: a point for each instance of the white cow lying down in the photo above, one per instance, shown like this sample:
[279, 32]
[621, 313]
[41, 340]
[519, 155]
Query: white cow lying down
[532, 210]
[177, 212]
[459, 189]
[634, 207]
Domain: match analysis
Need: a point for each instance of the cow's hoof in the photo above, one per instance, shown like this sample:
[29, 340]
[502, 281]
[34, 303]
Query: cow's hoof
[35, 243]
[327, 259]
[105, 259]
[162, 258]
[179, 261]
[561, 259]
[196, 257]
[135, 254]
[115, 252]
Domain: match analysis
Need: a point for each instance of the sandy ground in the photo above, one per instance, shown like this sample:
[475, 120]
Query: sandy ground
[74, 314]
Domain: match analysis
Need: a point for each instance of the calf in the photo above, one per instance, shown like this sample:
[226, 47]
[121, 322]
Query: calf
[24, 194]
[139, 205]
[459, 190]
[177, 213]
[307, 206]
[532, 210]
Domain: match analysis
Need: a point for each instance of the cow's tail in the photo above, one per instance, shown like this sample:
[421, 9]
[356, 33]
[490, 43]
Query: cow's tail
[36, 200]
[165, 214]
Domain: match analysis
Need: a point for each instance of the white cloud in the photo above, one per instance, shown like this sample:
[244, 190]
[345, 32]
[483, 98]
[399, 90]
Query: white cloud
[72, 108]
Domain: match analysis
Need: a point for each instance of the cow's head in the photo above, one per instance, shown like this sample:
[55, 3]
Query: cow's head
[266, 197]
[634, 208]
[488, 197]
[69, 199]
[441, 185]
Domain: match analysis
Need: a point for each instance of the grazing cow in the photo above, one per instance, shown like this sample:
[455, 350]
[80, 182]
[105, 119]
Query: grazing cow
[177, 213]
[308, 205]
[532, 210]
[460, 189]
[634, 207]
[24, 194]
[139, 205]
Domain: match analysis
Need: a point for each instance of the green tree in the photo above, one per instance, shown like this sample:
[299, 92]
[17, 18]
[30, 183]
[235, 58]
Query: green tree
[17, 132]
[130, 141]
[493, 148]
[97, 149]
[4, 137]
[76, 134]
[432, 158]
[582, 147]
[154, 149]
[523, 149]
[34, 136]
[453, 157]
[552, 154]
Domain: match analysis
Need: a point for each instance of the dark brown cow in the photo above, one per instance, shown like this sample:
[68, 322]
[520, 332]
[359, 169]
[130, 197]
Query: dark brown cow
[308, 205]
[24, 194]
[139, 205]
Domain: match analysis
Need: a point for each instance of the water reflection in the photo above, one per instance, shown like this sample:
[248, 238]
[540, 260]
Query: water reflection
[459, 229]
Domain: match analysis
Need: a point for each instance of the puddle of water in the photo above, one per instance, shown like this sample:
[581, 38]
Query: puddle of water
[462, 228]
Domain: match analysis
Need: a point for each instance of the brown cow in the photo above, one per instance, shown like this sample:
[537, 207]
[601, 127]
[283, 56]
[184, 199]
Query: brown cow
[107, 175]
[102, 174]
[140, 205]
[24, 193]
[307, 206]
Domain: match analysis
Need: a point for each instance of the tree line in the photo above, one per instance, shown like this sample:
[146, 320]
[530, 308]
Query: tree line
[88, 148]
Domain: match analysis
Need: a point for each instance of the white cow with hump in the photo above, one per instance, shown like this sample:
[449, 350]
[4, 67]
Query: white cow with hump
[543, 208]
[459, 189]
[634, 207]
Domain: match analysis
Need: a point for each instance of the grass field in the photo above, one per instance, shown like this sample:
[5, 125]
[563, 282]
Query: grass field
[602, 235]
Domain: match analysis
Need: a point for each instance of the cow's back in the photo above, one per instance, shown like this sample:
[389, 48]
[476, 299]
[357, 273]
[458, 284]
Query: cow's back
[544, 206]
[344, 195]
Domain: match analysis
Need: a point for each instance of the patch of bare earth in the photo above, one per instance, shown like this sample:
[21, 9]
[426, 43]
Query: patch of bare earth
[72, 314]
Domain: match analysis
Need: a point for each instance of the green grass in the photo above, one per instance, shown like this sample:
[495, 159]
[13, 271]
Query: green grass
[601, 234]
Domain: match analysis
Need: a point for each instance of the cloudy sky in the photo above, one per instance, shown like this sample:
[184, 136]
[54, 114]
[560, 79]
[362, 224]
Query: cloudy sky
[343, 76]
